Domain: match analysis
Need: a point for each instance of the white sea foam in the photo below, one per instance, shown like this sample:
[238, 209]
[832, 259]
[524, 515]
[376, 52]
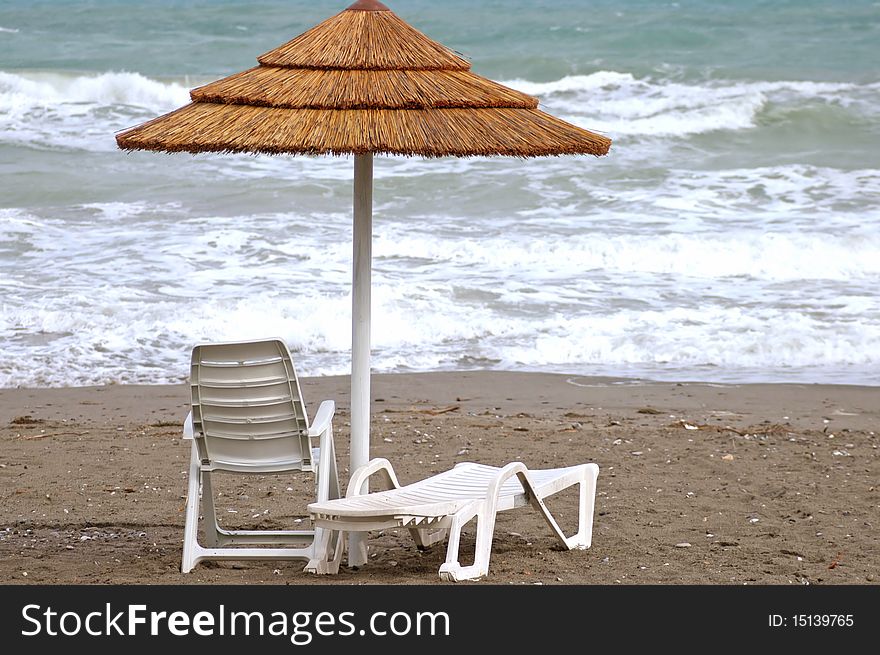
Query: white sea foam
[765, 196]
[50, 110]
[34, 90]
[622, 104]
[214, 248]
[730, 337]
[111, 308]
[112, 343]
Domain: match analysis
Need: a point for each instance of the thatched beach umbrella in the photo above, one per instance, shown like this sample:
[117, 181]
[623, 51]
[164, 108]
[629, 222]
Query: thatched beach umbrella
[362, 82]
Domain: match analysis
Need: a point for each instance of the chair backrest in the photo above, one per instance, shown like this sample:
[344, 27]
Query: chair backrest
[247, 407]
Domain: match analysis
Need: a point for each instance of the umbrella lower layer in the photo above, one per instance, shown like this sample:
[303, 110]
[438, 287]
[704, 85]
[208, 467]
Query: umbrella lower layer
[460, 132]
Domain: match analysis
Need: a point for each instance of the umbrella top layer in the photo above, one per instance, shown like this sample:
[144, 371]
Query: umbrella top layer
[360, 38]
[368, 5]
[363, 81]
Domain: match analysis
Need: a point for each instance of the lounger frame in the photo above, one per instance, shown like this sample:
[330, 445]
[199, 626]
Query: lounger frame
[438, 507]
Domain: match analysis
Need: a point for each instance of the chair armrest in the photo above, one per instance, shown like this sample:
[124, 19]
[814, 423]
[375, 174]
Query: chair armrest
[188, 429]
[328, 474]
[323, 418]
[362, 474]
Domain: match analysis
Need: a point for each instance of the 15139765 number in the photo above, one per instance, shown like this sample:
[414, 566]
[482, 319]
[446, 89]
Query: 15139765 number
[811, 621]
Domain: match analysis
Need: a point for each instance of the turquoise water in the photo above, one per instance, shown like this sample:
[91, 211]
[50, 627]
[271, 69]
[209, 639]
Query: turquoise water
[731, 235]
[539, 40]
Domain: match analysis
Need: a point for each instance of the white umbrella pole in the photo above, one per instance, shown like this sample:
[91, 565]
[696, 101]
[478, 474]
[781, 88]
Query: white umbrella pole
[360, 333]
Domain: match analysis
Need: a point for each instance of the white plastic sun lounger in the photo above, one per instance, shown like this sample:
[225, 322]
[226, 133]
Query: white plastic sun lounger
[445, 503]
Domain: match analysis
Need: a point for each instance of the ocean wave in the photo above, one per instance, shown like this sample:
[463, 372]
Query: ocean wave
[797, 194]
[707, 336]
[68, 111]
[780, 256]
[52, 110]
[622, 104]
[82, 342]
[208, 253]
[111, 309]
[25, 91]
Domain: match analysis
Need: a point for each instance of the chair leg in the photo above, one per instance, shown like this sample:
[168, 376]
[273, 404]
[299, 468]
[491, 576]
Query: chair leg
[209, 513]
[335, 491]
[191, 529]
[327, 546]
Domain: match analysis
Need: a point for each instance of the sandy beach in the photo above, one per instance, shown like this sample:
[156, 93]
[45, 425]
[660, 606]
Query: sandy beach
[699, 483]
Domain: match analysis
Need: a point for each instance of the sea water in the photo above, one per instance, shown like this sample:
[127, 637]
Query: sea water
[732, 234]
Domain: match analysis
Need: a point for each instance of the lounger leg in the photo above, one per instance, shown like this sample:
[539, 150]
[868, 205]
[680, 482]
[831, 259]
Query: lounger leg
[586, 482]
[425, 538]
[358, 558]
[587, 506]
[485, 511]
[451, 569]
[329, 545]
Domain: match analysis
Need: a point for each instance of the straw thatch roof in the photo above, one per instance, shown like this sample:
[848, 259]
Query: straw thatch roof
[363, 81]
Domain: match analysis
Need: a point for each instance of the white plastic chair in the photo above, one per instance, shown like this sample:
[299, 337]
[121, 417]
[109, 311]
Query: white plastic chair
[444, 503]
[248, 416]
